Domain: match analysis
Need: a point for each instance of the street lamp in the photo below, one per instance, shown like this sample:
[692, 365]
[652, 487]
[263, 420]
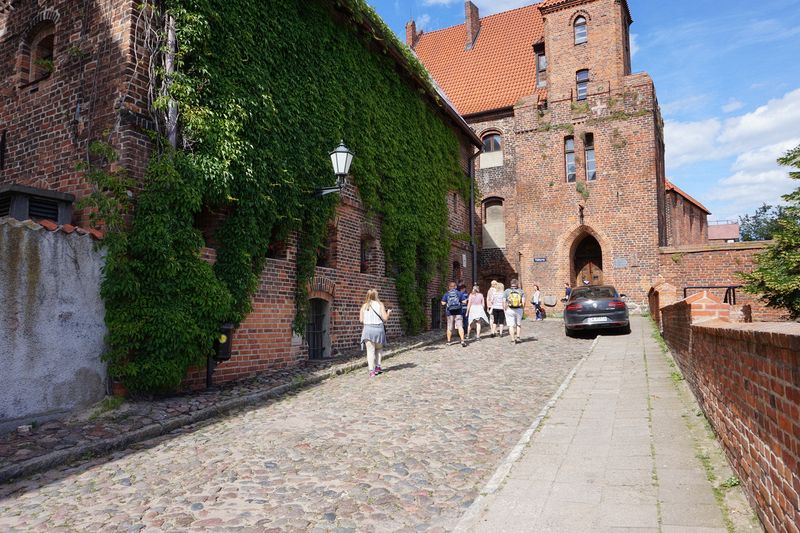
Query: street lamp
[341, 157]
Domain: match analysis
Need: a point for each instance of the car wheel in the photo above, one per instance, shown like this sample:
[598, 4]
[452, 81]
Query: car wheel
[625, 330]
[568, 332]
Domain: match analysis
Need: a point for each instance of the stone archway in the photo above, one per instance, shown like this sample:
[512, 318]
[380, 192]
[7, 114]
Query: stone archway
[586, 261]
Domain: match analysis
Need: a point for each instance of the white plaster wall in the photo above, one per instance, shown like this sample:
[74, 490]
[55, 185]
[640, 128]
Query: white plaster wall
[51, 323]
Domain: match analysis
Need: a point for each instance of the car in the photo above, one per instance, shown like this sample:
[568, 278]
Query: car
[593, 307]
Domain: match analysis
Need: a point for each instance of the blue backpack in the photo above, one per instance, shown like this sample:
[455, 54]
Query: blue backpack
[453, 301]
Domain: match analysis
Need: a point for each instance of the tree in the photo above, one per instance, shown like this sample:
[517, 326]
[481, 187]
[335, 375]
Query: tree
[777, 276]
[761, 225]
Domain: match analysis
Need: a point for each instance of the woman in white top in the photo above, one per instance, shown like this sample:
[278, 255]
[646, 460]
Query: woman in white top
[537, 303]
[475, 312]
[374, 315]
[489, 297]
[498, 314]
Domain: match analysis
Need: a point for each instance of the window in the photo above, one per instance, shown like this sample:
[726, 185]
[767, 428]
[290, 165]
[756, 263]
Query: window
[581, 33]
[367, 255]
[582, 82]
[588, 152]
[494, 225]
[492, 155]
[41, 52]
[541, 65]
[569, 158]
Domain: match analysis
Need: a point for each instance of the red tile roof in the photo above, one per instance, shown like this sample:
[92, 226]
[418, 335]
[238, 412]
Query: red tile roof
[672, 187]
[52, 227]
[498, 70]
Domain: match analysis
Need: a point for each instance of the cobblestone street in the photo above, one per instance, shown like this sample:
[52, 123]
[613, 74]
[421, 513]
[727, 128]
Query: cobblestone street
[408, 450]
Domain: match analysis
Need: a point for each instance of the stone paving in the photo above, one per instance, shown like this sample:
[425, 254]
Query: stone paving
[406, 451]
[93, 427]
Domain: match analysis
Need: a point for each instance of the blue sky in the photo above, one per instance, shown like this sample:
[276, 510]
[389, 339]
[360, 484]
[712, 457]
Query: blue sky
[727, 77]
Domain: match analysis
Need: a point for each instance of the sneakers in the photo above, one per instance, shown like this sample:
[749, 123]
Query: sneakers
[517, 340]
[372, 373]
[378, 370]
[464, 344]
[494, 335]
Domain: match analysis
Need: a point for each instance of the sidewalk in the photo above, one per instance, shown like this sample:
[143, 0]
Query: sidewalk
[85, 435]
[613, 454]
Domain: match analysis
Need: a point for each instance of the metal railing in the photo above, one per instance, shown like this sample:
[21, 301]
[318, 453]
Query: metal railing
[730, 291]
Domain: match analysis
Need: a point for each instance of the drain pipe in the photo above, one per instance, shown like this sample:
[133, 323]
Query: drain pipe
[474, 249]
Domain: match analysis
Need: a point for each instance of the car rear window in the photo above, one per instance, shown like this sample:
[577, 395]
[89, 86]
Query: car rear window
[593, 293]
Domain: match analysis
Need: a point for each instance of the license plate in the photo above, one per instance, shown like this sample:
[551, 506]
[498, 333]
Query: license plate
[595, 319]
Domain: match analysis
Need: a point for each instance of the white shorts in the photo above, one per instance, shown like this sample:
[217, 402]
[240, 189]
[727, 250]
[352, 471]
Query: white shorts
[514, 317]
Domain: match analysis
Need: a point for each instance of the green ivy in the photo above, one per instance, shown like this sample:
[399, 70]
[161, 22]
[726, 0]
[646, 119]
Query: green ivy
[264, 91]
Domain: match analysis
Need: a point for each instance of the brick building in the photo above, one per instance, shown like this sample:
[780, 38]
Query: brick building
[572, 175]
[75, 72]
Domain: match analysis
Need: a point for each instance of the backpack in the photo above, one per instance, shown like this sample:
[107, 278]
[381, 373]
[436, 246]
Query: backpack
[453, 301]
[514, 299]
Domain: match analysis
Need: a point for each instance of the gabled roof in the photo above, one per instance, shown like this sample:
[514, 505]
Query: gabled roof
[498, 70]
[672, 187]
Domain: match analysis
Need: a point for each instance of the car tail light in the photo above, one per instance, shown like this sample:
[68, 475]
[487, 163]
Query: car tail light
[616, 305]
[574, 307]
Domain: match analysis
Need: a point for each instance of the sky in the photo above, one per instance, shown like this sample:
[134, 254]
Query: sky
[727, 78]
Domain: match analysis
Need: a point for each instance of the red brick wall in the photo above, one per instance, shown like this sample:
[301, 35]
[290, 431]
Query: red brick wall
[93, 91]
[746, 378]
[716, 264]
[687, 223]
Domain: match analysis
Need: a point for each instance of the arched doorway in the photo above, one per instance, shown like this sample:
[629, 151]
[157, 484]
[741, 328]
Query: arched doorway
[587, 261]
[318, 329]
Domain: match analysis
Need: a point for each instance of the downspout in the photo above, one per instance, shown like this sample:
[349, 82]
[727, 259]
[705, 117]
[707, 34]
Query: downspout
[474, 248]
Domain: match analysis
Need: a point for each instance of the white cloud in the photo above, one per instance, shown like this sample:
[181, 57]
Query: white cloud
[423, 21]
[696, 102]
[732, 105]
[634, 39]
[755, 139]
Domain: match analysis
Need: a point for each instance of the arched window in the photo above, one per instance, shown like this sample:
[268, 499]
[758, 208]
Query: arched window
[588, 153]
[492, 155]
[569, 158]
[494, 225]
[581, 31]
[41, 46]
[582, 84]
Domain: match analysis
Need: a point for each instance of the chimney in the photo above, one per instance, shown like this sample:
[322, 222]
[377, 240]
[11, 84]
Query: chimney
[473, 23]
[411, 33]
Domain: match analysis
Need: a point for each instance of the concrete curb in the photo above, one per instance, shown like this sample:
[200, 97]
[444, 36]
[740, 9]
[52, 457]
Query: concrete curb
[105, 446]
[472, 515]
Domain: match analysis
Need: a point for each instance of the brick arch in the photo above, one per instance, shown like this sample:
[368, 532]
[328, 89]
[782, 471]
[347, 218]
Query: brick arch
[490, 131]
[568, 242]
[579, 13]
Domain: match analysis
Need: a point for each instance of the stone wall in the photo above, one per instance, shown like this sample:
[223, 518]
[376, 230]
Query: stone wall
[746, 378]
[51, 322]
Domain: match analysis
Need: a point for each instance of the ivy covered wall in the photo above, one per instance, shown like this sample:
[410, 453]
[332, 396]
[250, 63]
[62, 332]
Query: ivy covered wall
[264, 90]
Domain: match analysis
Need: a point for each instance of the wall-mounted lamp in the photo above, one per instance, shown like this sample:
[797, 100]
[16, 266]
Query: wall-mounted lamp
[341, 157]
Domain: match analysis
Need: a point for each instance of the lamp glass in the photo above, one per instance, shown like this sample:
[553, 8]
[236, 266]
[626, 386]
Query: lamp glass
[341, 158]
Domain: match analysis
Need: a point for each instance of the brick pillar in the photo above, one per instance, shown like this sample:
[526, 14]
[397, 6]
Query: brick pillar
[473, 23]
[411, 33]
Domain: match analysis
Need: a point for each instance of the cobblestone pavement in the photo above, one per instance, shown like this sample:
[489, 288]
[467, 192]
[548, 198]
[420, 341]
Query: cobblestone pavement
[92, 426]
[408, 451]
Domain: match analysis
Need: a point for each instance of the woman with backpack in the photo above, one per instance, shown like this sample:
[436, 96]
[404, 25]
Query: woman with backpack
[475, 312]
[374, 316]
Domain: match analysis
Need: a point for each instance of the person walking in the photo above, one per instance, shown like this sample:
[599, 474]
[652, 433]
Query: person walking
[537, 303]
[513, 304]
[476, 312]
[567, 290]
[497, 305]
[489, 296]
[452, 302]
[463, 289]
[374, 316]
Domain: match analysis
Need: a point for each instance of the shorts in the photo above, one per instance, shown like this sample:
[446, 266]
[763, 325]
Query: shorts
[514, 317]
[456, 321]
[499, 317]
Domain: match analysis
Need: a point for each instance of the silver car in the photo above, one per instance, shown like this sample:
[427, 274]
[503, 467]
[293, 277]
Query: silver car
[595, 307]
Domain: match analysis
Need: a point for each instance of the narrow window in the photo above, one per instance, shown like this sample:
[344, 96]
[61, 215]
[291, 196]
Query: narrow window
[492, 155]
[588, 150]
[569, 158]
[494, 225]
[541, 65]
[41, 52]
[582, 82]
[581, 33]
[367, 254]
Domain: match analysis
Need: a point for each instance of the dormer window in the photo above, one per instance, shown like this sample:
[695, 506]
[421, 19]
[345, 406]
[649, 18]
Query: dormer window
[582, 84]
[581, 31]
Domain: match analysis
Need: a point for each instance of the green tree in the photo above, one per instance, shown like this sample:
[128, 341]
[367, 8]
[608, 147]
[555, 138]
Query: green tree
[777, 276]
[761, 225]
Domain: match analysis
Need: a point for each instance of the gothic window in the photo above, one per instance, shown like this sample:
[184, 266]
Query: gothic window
[569, 158]
[494, 226]
[582, 84]
[588, 152]
[39, 62]
[492, 155]
[581, 31]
